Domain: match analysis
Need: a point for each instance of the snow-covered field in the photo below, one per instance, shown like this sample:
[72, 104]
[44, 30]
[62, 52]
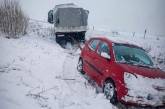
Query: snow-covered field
[35, 72]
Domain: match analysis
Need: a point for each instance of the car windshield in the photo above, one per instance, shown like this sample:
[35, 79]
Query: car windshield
[125, 53]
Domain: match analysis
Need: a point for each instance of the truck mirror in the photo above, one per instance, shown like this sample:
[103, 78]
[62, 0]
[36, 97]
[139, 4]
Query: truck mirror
[50, 16]
[87, 11]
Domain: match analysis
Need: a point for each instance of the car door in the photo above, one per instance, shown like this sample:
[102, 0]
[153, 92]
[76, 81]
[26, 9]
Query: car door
[90, 57]
[102, 63]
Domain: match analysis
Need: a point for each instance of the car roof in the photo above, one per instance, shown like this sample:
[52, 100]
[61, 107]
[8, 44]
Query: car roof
[115, 41]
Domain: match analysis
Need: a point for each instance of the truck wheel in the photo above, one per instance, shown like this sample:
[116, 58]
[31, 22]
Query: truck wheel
[61, 40]
[80, 66]
[57, 39]
[83, 36]
[63, 43]
[110, 92]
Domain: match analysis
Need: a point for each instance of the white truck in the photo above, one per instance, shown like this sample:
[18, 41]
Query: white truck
[70, 22]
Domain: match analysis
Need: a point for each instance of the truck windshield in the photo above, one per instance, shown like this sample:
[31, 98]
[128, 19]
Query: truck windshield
[125, 53]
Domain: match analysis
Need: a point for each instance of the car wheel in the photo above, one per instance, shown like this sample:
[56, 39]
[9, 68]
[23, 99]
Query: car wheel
[80, 66]
[110, 92]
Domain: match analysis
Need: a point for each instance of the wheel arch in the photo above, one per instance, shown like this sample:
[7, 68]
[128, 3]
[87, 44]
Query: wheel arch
[116, 94]
[107, 79]
[80, 58]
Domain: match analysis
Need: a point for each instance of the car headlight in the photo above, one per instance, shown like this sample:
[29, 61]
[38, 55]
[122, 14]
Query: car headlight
[128, 75]
[130, 80]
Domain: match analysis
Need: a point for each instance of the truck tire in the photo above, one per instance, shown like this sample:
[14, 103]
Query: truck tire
[82, 36]
[80, 66]
[61, 40]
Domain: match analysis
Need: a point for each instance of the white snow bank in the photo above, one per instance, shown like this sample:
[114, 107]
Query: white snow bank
[26, 64]
[37, 73]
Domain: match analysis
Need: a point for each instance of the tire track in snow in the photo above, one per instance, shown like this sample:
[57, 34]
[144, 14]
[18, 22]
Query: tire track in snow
[74, 82]
[82, 94]
[70, 76]
[67, 77]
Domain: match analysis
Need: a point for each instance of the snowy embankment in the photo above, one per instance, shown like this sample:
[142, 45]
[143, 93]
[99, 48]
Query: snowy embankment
[35, 73]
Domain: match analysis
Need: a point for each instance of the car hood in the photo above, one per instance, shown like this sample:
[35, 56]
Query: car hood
[144, 71]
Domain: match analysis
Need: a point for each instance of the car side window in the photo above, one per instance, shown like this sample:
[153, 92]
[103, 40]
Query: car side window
[103, 47]
[93, 44]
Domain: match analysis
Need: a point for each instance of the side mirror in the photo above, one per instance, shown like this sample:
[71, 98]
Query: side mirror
[50, 16]
[87, 12]
[105, 55]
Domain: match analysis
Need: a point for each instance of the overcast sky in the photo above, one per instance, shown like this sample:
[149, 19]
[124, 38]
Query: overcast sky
[122, 15]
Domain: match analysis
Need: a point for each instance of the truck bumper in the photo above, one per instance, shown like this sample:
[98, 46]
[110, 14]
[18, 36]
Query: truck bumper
[70, 29]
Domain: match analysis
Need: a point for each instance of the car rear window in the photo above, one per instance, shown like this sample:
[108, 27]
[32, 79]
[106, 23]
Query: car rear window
[93, 44]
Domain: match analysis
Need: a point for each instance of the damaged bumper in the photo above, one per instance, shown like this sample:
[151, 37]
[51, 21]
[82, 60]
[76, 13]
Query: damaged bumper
[144, 91]
[149, 100]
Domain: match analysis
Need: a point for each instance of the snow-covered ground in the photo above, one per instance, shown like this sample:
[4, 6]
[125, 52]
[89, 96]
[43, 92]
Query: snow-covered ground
[35, 72]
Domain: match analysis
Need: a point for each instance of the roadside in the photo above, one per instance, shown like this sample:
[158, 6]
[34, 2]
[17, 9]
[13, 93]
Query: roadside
[35, 72]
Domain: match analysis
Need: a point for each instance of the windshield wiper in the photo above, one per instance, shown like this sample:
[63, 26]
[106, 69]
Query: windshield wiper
[139, 65]
[126, 62]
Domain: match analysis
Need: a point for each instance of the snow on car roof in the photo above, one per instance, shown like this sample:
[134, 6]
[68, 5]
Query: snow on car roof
[114, 39]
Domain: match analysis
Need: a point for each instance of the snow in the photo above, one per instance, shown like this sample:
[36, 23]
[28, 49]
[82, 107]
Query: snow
[35, 72]
[147, 93]
[27, 64]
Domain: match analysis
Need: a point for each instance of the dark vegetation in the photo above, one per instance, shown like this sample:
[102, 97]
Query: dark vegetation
[13, 21]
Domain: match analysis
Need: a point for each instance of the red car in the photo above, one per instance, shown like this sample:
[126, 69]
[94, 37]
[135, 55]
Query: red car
[124, 71]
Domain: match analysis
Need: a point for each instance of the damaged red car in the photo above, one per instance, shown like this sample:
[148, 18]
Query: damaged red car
[124, 71]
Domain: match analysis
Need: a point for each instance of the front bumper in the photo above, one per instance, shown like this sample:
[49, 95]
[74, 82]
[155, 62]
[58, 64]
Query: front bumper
[149, 100]
[144, 91]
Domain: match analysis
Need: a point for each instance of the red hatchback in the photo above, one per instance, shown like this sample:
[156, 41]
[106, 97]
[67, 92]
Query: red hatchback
[124, 71]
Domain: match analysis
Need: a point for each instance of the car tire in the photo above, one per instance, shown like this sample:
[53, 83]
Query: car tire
[110, 92]
[80, 66]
